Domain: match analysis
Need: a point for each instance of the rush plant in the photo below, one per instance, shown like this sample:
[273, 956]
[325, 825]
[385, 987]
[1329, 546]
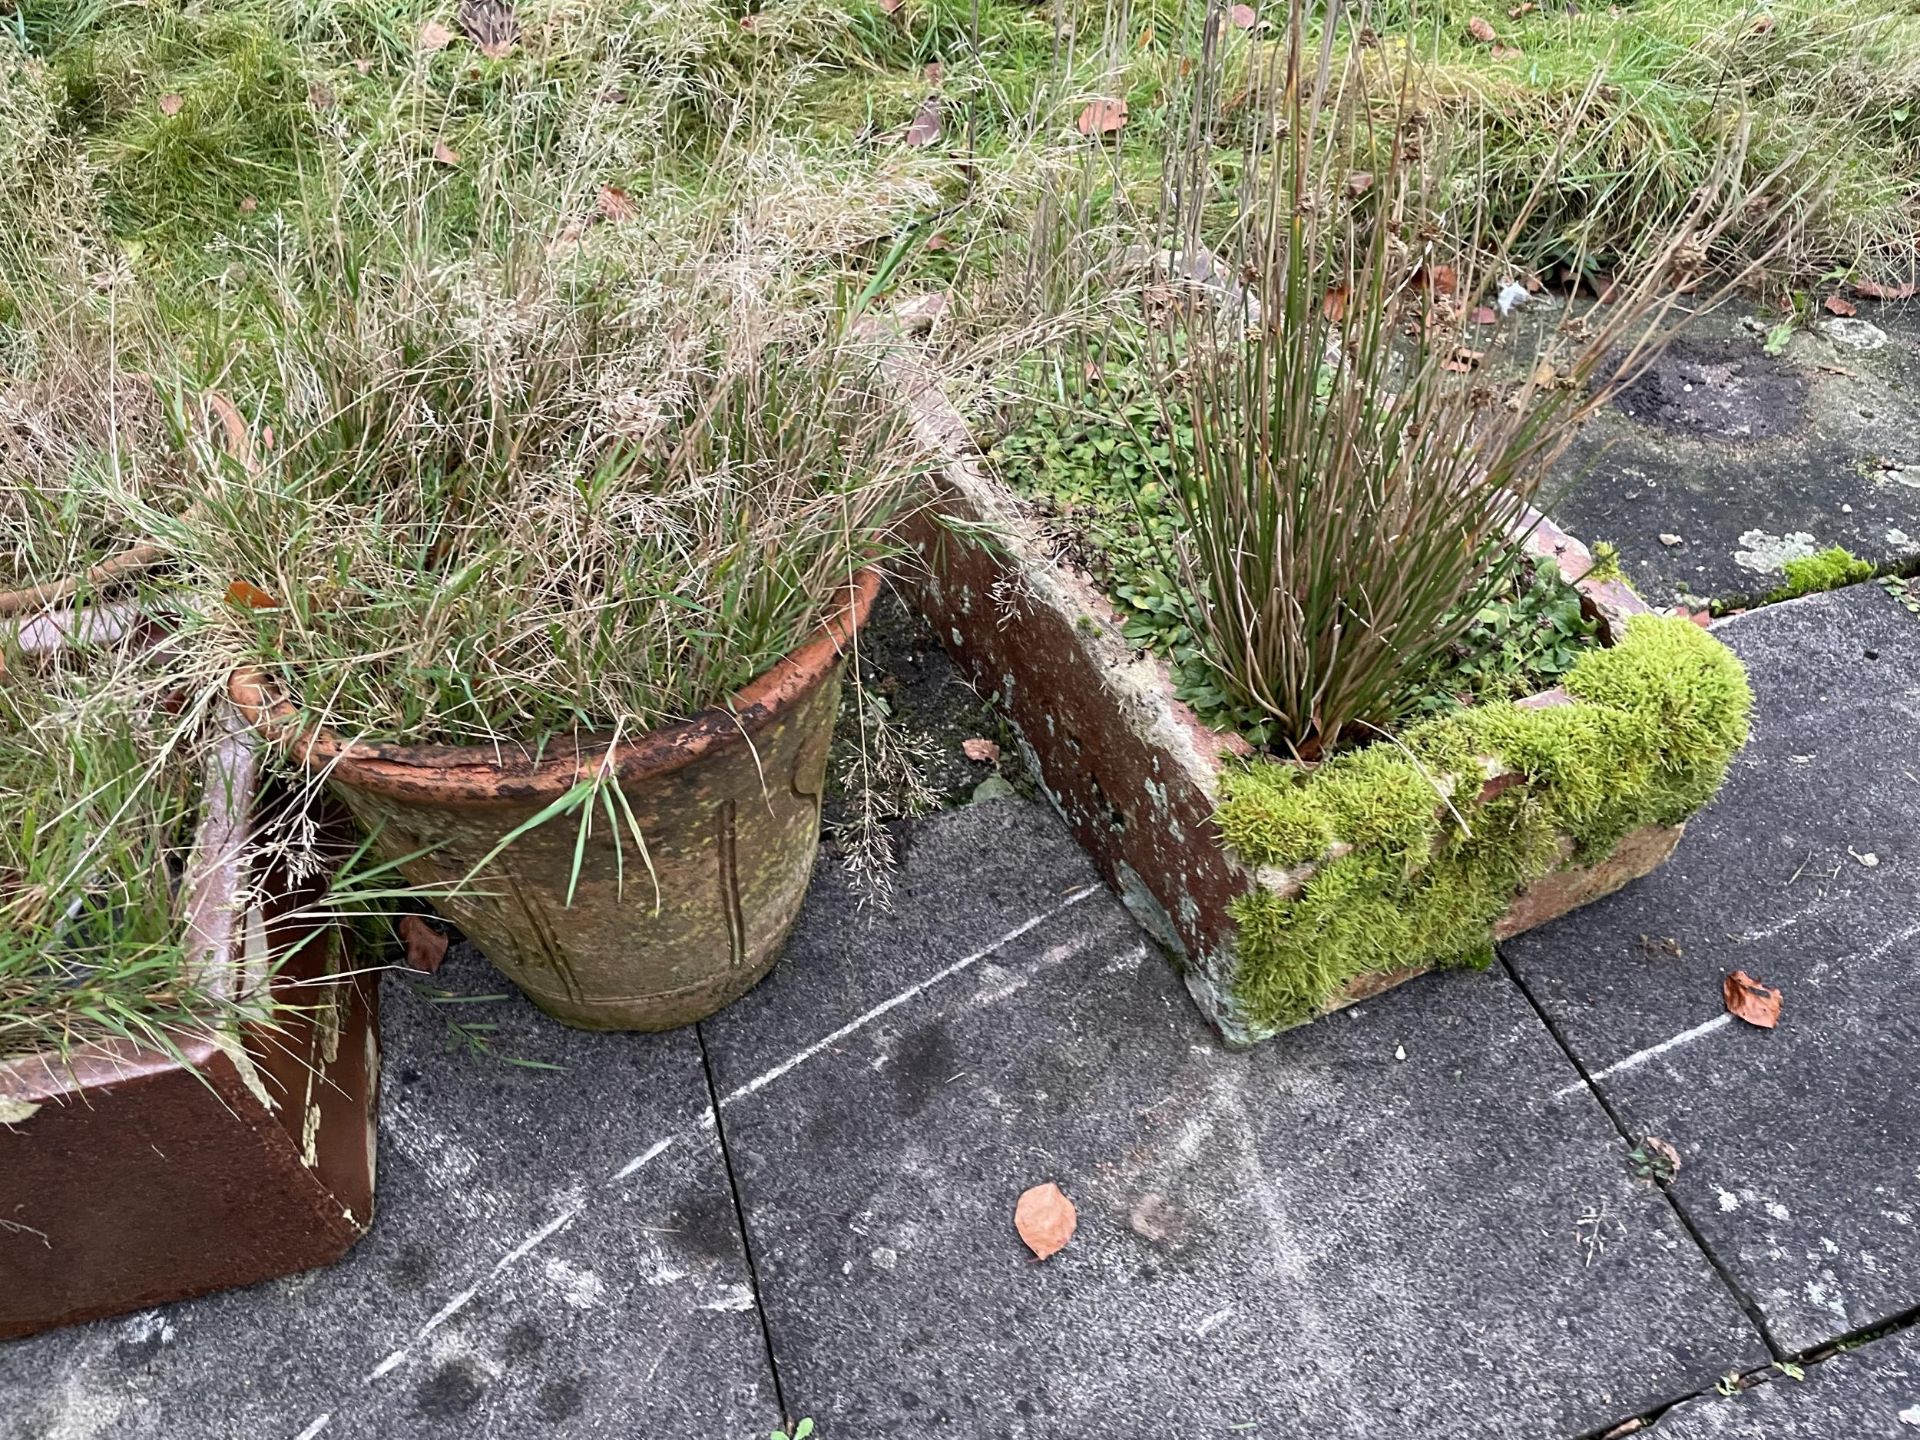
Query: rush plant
[1363, 463]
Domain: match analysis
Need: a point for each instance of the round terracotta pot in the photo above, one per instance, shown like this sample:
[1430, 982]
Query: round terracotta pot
[728, 803]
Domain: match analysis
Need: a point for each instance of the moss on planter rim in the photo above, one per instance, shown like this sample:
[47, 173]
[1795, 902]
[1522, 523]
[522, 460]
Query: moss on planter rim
[1653, 725]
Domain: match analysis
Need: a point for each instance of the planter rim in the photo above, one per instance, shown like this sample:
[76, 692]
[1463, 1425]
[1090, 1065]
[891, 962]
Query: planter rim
[482, 774]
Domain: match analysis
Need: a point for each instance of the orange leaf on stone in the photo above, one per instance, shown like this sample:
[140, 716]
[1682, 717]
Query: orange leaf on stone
[1244, 17]
[1045, 1219]
[171, 105]
[1102, 117]
[1751, 1001]
[425, 946]
[980, 749]
[1840, 305]
[1482, 30]
[250, 597]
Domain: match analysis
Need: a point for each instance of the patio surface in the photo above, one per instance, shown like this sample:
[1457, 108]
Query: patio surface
[1418, 1217]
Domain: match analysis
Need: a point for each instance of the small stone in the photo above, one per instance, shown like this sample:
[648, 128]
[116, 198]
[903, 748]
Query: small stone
[1850, 334]
[1669, 540]
[1399, 1052]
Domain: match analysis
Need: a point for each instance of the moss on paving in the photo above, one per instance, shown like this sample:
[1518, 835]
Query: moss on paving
[1828, 570]
[1653, 725]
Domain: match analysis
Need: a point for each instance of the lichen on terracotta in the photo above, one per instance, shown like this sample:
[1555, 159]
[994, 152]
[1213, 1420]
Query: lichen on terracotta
[1389, 857]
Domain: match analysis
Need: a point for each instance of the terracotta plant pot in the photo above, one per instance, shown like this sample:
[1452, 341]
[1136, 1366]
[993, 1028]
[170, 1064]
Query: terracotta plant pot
[727, 802]
[132, 1174]
[1134, 771]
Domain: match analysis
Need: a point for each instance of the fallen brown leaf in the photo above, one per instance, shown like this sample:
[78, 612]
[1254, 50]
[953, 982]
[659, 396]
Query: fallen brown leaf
[171, 104]
[1874, 290]
[1464, 360]
[250, 597]
[925, 126]
[1442, 279]
[1749, 1000]
[425, 946]
[1482, 31]
[491, 25]
[320, 97]
[1045, 1219]
[938, 241]
[1244, 17]
[1839, 305]
[614, 205]
[1359, 182]
[434, 36]
[980, 749]
[1486, 315]
[1333, 304]
[445, 153]
[1102, 117]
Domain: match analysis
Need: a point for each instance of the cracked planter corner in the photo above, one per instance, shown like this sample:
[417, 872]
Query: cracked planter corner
[1339, 886]
[133, 1174]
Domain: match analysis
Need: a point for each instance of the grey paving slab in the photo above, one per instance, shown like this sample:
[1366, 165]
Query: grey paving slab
[1872, 1393]
[509, 1287]
[1319, 1238]
[1801, 1165]
[1740, 459]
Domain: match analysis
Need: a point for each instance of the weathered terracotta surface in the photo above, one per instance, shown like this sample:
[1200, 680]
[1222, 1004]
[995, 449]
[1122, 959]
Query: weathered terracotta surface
[1131, 768]
[131, 1176]
[728, 804]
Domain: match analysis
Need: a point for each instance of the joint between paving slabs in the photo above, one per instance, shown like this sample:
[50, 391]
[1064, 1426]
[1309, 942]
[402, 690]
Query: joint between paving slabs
[740, 1221]
[1748, 1306]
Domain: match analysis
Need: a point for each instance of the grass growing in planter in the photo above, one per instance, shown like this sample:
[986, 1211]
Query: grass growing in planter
[101, 801]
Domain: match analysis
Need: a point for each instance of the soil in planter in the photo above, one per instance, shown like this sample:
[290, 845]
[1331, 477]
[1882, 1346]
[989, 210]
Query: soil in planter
[1094, 481]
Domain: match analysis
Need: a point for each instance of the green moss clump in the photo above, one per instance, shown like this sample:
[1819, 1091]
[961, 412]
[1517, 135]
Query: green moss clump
[1653, 725]
[1829, 570]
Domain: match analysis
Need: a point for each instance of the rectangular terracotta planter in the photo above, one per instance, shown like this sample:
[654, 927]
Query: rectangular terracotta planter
[131, 1176]
[1132, 769]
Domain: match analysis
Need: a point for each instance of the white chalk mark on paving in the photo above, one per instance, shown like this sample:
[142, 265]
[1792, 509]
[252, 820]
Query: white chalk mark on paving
[967, 962]
[707, 1120]
[1640, 1057]
[460, 1302]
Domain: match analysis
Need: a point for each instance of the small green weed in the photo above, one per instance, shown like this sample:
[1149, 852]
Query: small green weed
[1829, 570]
[800, 1432]
[1902, 591]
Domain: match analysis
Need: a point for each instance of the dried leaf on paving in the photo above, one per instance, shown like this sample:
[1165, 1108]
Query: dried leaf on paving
[1751, 1001]
[1102, 117]
[1045, 1219]
[980, 749]
[425, 946]
[925, 128]
[1840, 305]
[491, 25]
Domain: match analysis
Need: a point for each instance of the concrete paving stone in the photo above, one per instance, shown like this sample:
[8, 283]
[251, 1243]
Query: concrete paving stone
[1319, 1238]
[508, 1288]
[1800, 1165]
[1744, 458]
[1872, 1393]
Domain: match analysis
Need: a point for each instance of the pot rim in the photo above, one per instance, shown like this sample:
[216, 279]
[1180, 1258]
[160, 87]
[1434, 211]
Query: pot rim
[479, 774]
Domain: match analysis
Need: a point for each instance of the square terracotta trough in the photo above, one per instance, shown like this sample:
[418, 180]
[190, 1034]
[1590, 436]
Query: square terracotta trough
[131, 1174]
[1132, 769]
